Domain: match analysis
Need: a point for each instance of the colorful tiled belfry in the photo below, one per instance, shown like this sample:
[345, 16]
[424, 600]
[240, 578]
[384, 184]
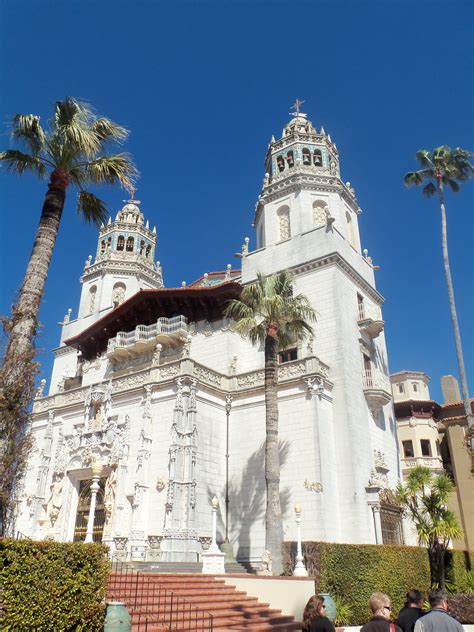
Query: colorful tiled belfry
[156, 405]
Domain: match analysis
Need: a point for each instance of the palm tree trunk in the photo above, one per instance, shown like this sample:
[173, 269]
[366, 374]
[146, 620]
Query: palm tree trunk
[452, 307]
[25, 312]
[17, 373]
[273, 518]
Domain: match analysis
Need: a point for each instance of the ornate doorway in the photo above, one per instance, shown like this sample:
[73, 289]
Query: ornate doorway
[83, 506]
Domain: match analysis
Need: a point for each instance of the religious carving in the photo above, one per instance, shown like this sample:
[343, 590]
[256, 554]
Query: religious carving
[379, 461]
[266, 564]
[313, 486]
[378, 479]
[169, 371]
[314, 386]
[160, 484]
[156, 354]
[207, 375]
[40, 389]
[55, 500]
[293, 369]
[109, 494]
[233, 365]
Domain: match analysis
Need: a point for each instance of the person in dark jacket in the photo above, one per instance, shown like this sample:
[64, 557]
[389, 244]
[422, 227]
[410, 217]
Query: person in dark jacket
[314, 618]
[411, 612]
[379, 603]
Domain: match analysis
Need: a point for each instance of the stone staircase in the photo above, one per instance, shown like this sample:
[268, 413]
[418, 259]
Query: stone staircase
[193, 602]
[181, 567]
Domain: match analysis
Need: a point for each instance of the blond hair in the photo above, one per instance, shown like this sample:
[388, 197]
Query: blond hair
[378, 600]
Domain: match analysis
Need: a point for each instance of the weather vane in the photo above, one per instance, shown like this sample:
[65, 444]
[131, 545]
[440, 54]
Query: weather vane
[131, 190]
[296, 106]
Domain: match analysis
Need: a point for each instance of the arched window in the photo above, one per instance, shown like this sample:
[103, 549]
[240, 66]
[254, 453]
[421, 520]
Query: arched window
[120, 242]
[306, 156]
[142, 247]
[320, 213]
[350, 230]
[109, 243]
[148, 251]
[118, 294]
[317, 158]
[284, 227]
[290, 159]
[92, 295]
[280, 163]
[103, 246]
[129, 244]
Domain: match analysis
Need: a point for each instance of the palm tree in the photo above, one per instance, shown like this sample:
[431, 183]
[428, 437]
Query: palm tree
[73, 150]
[424, 497]
[445, 166]
[270, 315]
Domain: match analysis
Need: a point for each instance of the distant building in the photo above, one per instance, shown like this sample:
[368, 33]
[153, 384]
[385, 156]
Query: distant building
[434, 435]
[146, 379]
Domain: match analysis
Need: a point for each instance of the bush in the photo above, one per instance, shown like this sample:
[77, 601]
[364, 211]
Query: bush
[459, 565]
[53, 586]
[353, 572]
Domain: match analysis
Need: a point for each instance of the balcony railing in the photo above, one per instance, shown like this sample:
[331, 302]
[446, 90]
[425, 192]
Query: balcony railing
[370, 319]
[165, 330]
[377, 390]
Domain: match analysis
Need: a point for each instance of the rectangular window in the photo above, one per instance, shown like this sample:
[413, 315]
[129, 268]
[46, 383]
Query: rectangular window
[408, 449]
[425, 447]
[288, 355]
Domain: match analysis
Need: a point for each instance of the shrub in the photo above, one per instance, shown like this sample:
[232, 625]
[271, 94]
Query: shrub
[53, 586]
[459, 566]
[353, 572]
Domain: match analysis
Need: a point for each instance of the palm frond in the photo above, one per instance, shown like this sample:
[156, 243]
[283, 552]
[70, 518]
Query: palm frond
[412, 178]
[453, 185]
[19, 163]
[27, 129]
[72, 125]
[107, 130]
[424, 157]
[429, 190]
[111, 169]
[92, 209]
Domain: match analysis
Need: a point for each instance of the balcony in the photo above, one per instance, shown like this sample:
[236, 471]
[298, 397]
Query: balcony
[166, 331]
[432, 462]
[370, 320]
[377, 390]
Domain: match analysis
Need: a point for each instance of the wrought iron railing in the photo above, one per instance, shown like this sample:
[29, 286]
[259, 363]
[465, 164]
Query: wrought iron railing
[149, 602]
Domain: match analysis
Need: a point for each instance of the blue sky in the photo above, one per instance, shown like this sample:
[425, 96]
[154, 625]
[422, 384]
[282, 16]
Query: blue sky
[203, 85]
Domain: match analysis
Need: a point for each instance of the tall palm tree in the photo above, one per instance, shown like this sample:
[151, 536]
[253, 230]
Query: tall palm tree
[446, 167]
[270, 315]
[72, 150]
[424, 497]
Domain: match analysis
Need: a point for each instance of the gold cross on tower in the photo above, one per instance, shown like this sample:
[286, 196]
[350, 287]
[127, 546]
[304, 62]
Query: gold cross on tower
[296, 106]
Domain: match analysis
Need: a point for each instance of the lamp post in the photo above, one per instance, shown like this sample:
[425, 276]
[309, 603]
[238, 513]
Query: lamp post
[228, 406]
[300, 569]
[96, 472]
[215, 507]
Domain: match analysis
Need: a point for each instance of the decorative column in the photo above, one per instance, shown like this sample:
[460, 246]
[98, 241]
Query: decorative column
[41, 480]
[377, 522]
[227, 548]
[96, 472]
[300, 569]
[213, 558]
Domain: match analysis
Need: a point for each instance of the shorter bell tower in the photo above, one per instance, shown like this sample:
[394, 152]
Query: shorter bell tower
[124, 264]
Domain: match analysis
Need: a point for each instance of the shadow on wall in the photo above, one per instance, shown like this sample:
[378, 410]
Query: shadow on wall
[247, 501]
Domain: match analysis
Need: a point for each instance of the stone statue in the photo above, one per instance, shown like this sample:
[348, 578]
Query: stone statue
[333, 168]
[266, 564]
[97, 420]
[55, 500]
[109, 493]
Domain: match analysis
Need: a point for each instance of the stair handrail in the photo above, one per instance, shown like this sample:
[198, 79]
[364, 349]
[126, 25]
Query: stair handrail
[129, 581]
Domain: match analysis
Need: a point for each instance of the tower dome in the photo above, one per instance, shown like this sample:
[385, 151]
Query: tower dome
[130, 213]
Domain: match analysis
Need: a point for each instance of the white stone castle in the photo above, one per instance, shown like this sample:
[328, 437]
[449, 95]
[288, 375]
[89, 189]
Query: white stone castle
[159, 403]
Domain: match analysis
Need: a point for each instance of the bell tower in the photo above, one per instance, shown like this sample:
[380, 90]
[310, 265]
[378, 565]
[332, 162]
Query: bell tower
[302, 190]
[124, 263]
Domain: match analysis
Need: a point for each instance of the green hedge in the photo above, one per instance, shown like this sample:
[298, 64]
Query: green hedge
[353, 572]
[458, 564]
[53, 586]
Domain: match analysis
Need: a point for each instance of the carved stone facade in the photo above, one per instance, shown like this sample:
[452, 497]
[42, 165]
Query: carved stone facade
[169, 418]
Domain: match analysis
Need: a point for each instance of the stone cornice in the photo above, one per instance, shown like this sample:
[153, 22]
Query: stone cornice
[335, 258]
[108, 266]
[128, 228]
[166, 374]
[64, 350]
[297, 181]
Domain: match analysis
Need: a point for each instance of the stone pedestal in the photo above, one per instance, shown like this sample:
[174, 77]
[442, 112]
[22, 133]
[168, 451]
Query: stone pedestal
[213, 562]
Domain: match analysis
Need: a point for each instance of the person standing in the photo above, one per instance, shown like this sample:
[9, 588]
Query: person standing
[314, 616]
[411, 612]
[379, 603]
[438, 619]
